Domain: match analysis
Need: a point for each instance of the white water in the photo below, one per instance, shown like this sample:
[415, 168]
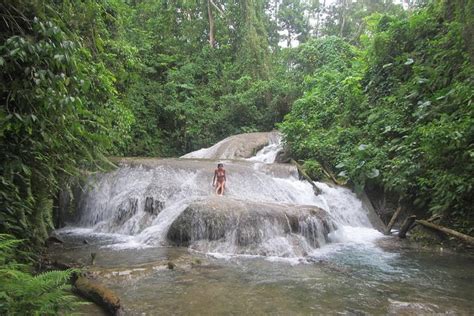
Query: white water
[115, 204]
[268, 153]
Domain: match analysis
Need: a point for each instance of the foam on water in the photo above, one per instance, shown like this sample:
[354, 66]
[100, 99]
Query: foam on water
[355, 235]
[115, 204]
[268, 153]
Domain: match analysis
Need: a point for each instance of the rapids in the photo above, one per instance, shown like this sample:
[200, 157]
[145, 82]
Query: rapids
[269, 246]
[139, 201]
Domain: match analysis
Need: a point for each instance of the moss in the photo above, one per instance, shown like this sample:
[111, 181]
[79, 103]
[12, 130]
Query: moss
[99, 294]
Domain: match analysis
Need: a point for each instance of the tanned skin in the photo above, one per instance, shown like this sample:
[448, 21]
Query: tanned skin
[219, 179]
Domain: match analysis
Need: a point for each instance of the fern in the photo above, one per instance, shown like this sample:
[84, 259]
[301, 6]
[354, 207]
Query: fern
[21, 293]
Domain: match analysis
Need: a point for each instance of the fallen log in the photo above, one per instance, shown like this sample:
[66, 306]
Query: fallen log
[406, 226]
[393, 220]
[99, 294]
[305, 176]
[86, 287]
[448, 231]
[433, 218]
[330, 175]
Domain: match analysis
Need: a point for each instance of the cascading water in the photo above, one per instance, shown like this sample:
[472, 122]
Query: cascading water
[266, 210]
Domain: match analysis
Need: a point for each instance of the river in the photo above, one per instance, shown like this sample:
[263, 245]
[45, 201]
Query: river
[248, 253]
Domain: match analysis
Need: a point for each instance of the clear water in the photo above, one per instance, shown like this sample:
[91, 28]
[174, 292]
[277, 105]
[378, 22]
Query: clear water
[353, 274]
[350, 279]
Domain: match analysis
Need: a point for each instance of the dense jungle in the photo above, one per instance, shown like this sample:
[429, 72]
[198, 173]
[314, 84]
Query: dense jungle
[373, 95]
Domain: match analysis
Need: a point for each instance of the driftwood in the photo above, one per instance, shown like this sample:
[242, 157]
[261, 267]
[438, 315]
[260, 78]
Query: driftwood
[393, 220]
[406, 226]
[99, 294]
[86, 287]
[305, 176]
[330, 175]
[448, 231]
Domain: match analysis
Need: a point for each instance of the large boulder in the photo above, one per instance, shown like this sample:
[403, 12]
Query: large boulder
[236, 146]
[246, 225]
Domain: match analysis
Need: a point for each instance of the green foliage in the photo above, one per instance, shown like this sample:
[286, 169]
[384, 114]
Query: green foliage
[293, 20]
[82, 80]
[313, 169]
[347, 19]
[59, 113]
[399, 113]
[320, 122]
[189, 95]
[24, 294]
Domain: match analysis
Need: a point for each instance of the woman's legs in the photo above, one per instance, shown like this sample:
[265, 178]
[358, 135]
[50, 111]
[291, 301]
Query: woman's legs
[220, 188]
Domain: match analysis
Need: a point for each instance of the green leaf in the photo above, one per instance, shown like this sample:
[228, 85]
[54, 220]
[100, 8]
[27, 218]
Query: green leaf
[18, 116]
[373, 173]
[13, 52]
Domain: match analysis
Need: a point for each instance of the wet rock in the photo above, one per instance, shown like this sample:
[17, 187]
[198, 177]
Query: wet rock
[126, 210]
[53, 240]
[235, 147]
[283, 156]
[153, 207]
[374, 218]
[248, 224]
[410, 308]
[93, 256]
[149, 205]
[158, 206]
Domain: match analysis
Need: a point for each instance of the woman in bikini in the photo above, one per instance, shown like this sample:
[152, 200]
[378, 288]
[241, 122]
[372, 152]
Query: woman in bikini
[219, 179]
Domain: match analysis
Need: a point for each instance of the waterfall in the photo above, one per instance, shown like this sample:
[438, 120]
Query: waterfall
[266, 209]
[268, 153]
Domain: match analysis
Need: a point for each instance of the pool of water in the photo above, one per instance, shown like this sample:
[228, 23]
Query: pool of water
[350, 279]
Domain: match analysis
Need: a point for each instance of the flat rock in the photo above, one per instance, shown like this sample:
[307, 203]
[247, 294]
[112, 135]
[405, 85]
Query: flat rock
[248, 224]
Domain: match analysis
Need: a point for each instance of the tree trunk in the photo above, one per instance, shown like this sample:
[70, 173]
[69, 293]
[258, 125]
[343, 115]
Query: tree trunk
[343, 18]
[341, 31]
[406, 226]
[330, 175]
[448, 231]
[99, 294]
[318, 23]
[433, 218]
[211, 24]
[393, 220]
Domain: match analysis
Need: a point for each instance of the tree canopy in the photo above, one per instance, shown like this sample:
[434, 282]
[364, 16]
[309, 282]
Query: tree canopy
[377, 93]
